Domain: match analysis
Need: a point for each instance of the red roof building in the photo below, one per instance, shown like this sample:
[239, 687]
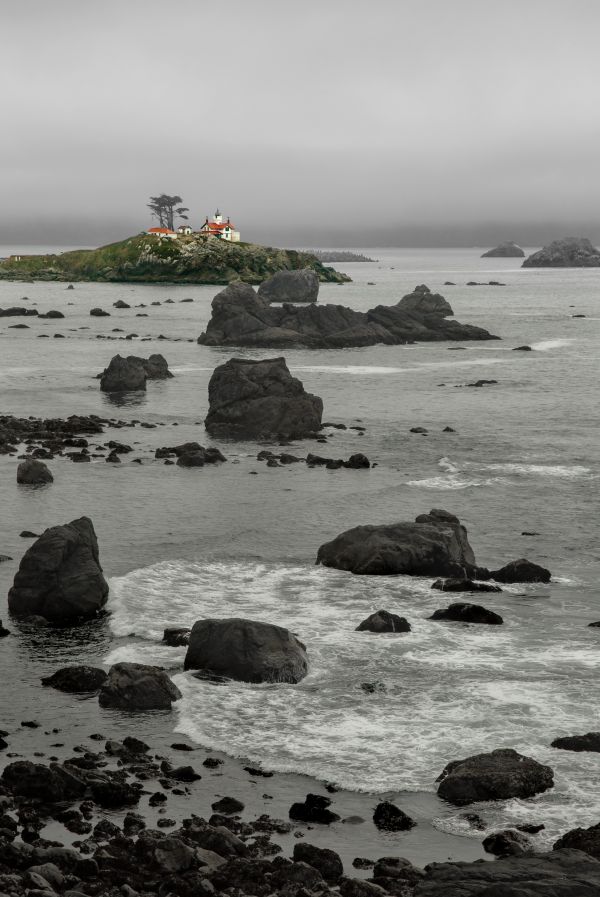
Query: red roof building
[222, 230]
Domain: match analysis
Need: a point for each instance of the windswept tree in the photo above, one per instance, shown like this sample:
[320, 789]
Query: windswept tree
[165, 208]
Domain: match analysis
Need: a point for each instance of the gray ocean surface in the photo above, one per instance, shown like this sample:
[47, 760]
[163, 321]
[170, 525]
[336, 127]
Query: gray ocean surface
[178, 545]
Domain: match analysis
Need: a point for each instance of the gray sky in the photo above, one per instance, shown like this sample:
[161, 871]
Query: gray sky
[321, 122]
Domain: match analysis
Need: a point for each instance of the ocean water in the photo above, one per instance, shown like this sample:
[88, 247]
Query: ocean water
[178, 545]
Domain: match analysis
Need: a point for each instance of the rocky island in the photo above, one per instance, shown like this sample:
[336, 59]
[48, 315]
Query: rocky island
[240, 317]
[570, 252]
[146, 259]
[506, 250]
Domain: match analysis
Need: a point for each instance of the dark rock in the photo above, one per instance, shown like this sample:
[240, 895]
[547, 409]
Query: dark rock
[256, 772]
[587, 742]
[508, 843]
[33, 473]
[120, 304]
[570, 252]
[507, 250]
[156, 367]
[499, 775]
[76, 679]
[99, 313]
[421, 430]
[357, 887]
[240, 317]
[594, 625]
[325, 861]
[371, 688]
[260, 399]
[467, 613]
[384, 621]
[112, 792]
[60, 577]
[137, 686]
[522, 349]
[479, 383]
[390, 818]
[26, 779]
[52, 314]
[184, 774]
[228, 806]
[17, 311]
[388, 870]
[123, 375]
[423, 303]
[463, 585]
[291, 286]
[3, 633]
[521, 571]
[314, 809]
[176, 637]
[585, 839]
[357, 462]
[246, 650]
[27, 534]
[530, 828]
[435, 544]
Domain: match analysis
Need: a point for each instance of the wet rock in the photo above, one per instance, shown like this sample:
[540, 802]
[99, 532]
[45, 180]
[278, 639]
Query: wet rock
[26, 779]
[33, 473]
[325, 861]
[246, 650]
[467, 613]
[60, 577]
[588, 742]
[522, 349]
[479, 383]
[424, 303]
[184, 774]
[112, 792]
[258, 400]
[27, 534]
[357, 887]
[137, 686]
[228, 806]
[390, 818]
[463, 585]
[389, 870]
[570, 252]
[3, 633]
[99, 313]
[508, 843]
[173, 855]
[314, 809]
[435, 544]
[372, 688]
[521, 571]
[384, 621]
[76, 679]
[291, 286]
[156, 367]
[123, 375]
[176, 637]
[499, 775]
[120, 304]
[507, 250]
[357, 462]
[585, 839]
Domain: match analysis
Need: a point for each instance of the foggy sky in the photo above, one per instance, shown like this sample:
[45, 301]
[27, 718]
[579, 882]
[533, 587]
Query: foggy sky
[321, 122]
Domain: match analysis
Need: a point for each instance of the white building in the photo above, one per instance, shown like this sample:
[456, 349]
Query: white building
[162, 232]
[222, 230]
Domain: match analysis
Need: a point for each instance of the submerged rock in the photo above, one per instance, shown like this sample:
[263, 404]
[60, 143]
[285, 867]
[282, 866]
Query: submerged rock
[137, 686]
[521, 571]
[76, 679]
[435, 544]
[457, 584]
[33, 473]
[260, 399]
[588, 742]
[246, 650]
[467, 613]
[507, 843]
[291, 286]
[506, 250]
[570, 252]
[60, 577]
[384, 621]
[499, 775]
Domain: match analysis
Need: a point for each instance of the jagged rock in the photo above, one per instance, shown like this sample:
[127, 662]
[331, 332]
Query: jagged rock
[588, 742]
[291, 286]
[585, 839]
[508, 843]
[390, 870]
[499, 775]
[325, 861]
[506, 250]
[521, 571]
[76, 679]
[435, 544]
[463, 585]
[384, 621]
[260, 399]
[467, 613]
[240, 317]
[423, 302]
[390, 818]
[33, 473]
[246, 650]
[60, 577]
[123, 375]
[176, 637]
[137, 686]
[156, 367]
[314, 809]
[570, 252]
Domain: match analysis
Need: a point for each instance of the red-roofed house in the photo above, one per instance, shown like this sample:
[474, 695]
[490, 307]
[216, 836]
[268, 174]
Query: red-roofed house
[162, 232]
[222, 230]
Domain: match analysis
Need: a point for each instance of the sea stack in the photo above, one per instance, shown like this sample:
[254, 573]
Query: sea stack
[506, 250]
[570, 252]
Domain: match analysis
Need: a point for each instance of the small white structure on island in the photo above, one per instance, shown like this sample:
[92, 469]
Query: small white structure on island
[162, 232]
[222, 230]
[184, 230]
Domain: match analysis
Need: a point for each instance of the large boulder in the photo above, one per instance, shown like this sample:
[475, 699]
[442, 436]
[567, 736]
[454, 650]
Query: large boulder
[586, 839]
[565, 873]
[240, 317]
[260, 399]
[60, 577]
[326, 861]
[570, 252]
[521, 571]
[435, 544]
[32, 472]
[383, 621]
[506, 250]
[76, 679]
[291, 286]
[423, 302]
[467, 613]
[507, 843]
[499, 775]
[246, 650]
[137, 686]
[123, 375]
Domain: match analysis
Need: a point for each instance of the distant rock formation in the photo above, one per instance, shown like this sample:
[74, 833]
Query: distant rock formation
[260, 399]
[291, 286]
[340, 255]
[506, 250]
[570, 252]
[130, 373]
[242, 318]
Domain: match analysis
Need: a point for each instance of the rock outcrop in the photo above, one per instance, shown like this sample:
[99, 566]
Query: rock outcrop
[435, 544]
[137, 686]
[123, 375]
[246, 650]
[156, 367]
[586, 839]
[60, 577]
[384, 621]
[240, 317]
[570, 252]
[33, 473]
[521, 571]
[291, 286]
[506, 250]
[258, 400]
[588, 742]
[76, 679]
[499, 775]
[467, 613]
